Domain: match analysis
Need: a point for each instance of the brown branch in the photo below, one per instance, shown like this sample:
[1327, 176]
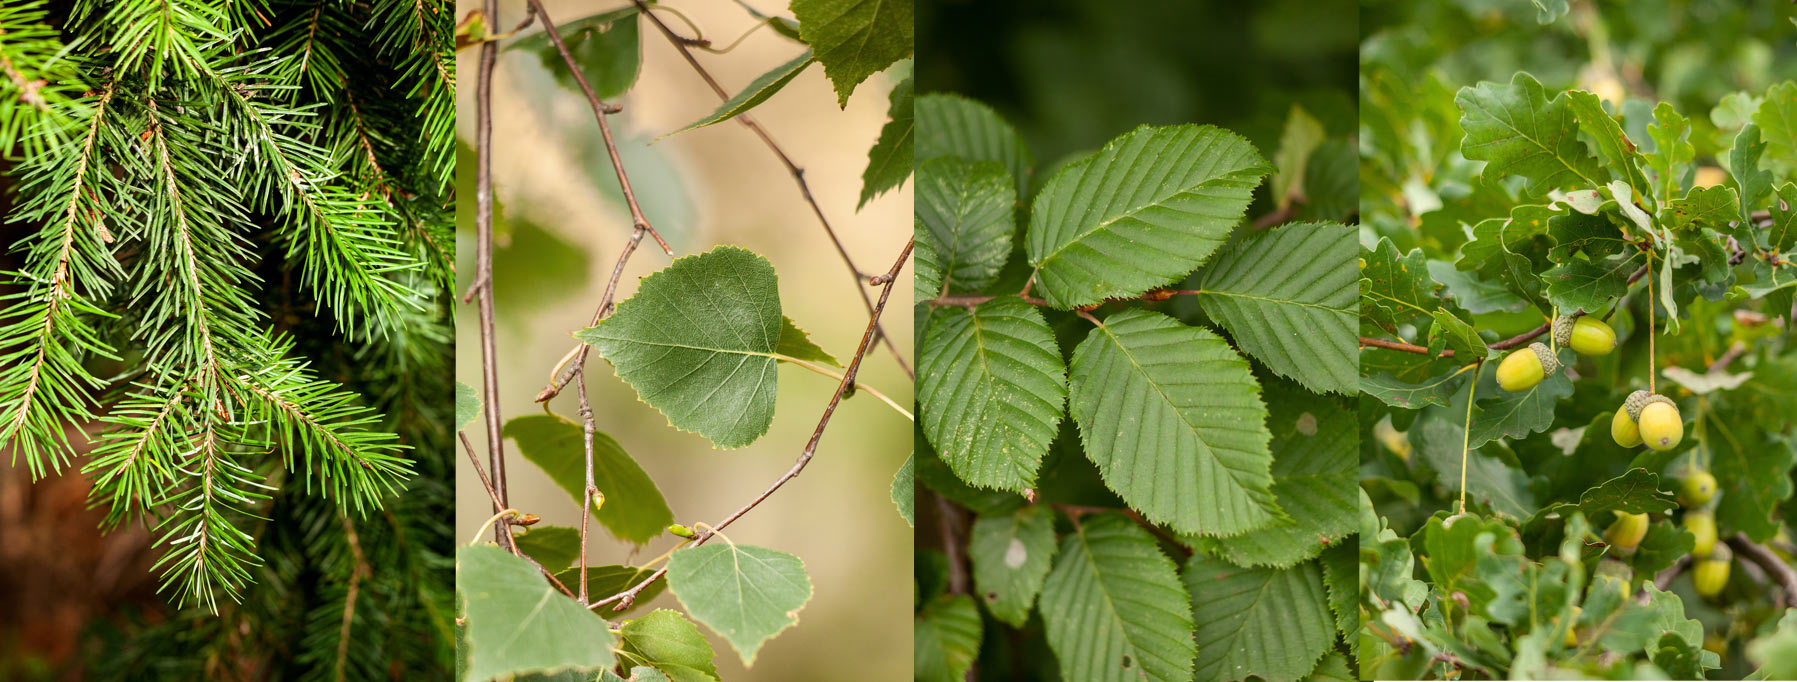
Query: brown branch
[1152, 295]
[600, 111]
[639, 225]
[1770, 563]
[627, 597]
[948, 522]
[1076, 510]
[1277, 217]
[1663, 580]
[360, 569]
[483, 264]
[798, 177]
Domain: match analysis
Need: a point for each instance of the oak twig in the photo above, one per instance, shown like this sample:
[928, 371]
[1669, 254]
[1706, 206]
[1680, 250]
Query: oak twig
[627, 597]
[1770, 563]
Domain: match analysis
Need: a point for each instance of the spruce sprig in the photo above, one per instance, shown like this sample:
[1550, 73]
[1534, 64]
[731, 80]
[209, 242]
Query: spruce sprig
[212, 131]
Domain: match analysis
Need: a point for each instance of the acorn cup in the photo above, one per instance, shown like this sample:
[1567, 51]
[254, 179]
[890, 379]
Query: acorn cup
[1523, 368]
[1584, 335]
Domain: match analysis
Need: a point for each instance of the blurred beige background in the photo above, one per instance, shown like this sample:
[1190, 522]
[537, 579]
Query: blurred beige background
[717, 185]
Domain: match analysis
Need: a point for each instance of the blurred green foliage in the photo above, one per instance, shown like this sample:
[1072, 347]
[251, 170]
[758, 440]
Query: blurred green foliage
[1072, 74]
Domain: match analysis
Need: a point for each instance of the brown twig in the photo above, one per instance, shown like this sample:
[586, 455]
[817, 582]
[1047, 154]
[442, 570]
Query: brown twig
[969, 301]
[600, 111]
[1768, 562]
[948, 522]
[1663, 580]
[798, 176]
[483, 264]
[639, 225]
[1277, 217]
[627, 597]
[1076, 510]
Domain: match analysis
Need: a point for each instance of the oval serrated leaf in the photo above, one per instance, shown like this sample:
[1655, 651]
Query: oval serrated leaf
[1316, 448]
[946, 635]
[1173, 418]
[697, 342]
[1266, 622]
[1142, 212]
[1287, 297]
[1011, 555]
[991, 384]
[952, 125]
[1113, 608]
[518, 623]
[743, 592]
[967, 208]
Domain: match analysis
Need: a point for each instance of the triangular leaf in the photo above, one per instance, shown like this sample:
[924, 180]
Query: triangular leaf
[519, 623]
[1173, 418]
[756, 92]
[1113, 607]
[1142, 212]
[670, 643]
[634, 509]
[743, 592]
[697, 342]
[607, 47]
[1287, 296]
[904, 487]
[991, 385]
[855, 39]
[889, 162]
[467, 405]
[795, 343]
[554, 547]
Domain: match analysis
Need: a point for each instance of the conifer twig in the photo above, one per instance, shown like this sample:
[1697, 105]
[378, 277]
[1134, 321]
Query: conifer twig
[627, 597]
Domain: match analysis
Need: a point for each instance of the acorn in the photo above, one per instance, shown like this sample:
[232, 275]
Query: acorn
[1697, 489]
[1610, 566]
[1701, 525]
[1661, 426]
[1523, 368]
[1626, 532]
[1624, 430]
[1711, 574]
[1584, 335]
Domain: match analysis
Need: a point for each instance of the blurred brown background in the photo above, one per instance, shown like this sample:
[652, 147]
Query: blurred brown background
[719, 185]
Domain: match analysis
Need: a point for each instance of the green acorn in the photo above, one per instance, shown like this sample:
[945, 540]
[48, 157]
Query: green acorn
[1523, 368]
[1584, 335]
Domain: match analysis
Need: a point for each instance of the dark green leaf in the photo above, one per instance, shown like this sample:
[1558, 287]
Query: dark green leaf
[855, 39]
